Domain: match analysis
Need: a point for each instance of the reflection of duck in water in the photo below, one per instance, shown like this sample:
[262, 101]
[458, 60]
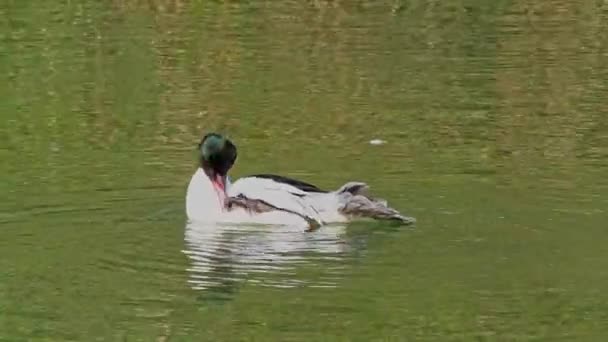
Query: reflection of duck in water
[223, 255]
[272, 199]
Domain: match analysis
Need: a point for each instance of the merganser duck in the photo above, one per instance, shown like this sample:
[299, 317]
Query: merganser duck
[273, 199]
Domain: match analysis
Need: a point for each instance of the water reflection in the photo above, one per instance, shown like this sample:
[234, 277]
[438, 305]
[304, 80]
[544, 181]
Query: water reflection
[223, 256]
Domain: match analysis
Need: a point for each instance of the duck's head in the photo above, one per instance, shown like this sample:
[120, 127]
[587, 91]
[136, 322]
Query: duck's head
[217, 155]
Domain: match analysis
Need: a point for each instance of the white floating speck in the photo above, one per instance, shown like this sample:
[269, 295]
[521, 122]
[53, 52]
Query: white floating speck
[377, 142]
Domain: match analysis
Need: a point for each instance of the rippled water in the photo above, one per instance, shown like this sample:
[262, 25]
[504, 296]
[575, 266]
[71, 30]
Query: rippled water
[267, 256]
[495, 128]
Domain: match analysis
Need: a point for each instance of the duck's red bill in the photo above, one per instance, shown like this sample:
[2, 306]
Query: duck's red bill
[219, 183]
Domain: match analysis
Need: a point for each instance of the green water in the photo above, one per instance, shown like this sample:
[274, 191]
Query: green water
[495, 119]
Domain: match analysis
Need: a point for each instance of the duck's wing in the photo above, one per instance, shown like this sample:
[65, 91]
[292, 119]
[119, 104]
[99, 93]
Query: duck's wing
[307, 187]
[258, 206]
[279, 195]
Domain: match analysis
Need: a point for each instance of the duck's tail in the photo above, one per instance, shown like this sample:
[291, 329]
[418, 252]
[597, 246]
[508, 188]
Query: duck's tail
[356, 202]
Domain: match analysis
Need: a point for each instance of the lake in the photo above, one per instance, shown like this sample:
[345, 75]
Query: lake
[494, 120]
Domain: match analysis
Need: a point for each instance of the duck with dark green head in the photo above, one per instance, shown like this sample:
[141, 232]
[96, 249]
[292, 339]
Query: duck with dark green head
[272, 199]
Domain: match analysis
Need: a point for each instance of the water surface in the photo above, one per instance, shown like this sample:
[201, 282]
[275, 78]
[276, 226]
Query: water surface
[496, 129]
